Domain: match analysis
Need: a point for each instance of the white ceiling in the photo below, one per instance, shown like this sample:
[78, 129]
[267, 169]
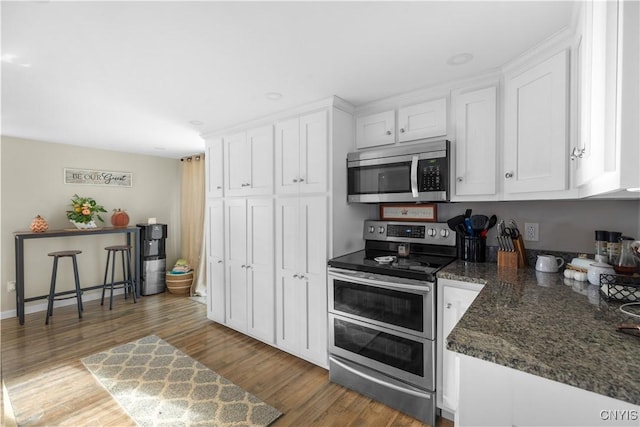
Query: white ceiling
[131, 76]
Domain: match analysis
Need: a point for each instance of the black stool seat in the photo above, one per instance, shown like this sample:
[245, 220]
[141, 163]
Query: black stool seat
[54, 273]
[127, 282]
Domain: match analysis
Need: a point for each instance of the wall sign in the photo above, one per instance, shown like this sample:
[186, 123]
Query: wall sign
[422, 212]
[97, 177]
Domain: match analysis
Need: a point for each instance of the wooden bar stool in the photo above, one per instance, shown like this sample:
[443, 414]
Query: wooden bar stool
[52, 289]
[127, 279]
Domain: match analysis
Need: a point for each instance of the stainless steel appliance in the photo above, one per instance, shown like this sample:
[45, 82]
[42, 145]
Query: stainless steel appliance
[418, 172]
[153, 259]
[382, 314]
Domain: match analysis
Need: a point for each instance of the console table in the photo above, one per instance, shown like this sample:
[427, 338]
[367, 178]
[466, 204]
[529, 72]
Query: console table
[21, 236]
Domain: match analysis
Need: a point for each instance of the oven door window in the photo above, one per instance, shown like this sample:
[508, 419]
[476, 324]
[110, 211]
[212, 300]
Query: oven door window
[393, 307]
[387, 178]
[391, 350]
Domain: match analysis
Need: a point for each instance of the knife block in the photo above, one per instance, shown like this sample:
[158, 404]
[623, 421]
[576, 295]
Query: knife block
[507, 259]
[515, 259]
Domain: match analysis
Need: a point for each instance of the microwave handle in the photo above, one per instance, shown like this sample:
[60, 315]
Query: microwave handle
[414, 176]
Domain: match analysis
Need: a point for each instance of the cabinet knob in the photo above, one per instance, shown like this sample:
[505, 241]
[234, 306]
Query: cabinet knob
[577, 153]
[242, 266]
[459, 179]
[301, 277]
[401, 130]
[448, 305]
[247, 267]
[219, 187]
[295, 276]
[301, 180]
[295, 180]
[388, 132]
[508, 175]
[219, 261]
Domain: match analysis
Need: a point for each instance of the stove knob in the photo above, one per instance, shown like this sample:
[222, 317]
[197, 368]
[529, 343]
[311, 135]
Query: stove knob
[381, 230]
[444, 232]
[431, 232]
[372, 229]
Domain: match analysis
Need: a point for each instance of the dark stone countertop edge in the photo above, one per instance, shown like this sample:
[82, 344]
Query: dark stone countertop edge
[475, 335]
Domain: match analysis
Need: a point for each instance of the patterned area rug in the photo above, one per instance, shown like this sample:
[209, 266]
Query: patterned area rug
[158, 385]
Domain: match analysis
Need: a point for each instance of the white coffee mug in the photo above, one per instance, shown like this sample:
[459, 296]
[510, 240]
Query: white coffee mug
[549, 263]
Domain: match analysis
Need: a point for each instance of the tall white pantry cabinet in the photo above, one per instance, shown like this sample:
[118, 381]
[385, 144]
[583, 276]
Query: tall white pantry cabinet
[269, 235]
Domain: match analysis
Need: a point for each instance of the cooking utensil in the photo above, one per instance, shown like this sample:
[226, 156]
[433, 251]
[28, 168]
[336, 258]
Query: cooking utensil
[492, 222]
[467, 213]
[467, 223]
[455, 221]
[478, 223]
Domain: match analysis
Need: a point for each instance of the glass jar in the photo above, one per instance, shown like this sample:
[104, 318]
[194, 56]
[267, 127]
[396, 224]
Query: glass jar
[613, 246]
[626, 261]
[601, 246]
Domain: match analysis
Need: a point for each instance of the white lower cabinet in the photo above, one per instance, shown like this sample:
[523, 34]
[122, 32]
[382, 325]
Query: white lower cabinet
[249, 287]
[301, 283]
[215, 260]
[494, 395]
[454, 299]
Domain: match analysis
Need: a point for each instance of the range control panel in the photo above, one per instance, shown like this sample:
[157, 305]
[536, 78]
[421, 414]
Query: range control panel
[433, 233]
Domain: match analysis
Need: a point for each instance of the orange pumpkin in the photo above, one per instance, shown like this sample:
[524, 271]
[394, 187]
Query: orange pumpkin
[119, 219]
[39, 225]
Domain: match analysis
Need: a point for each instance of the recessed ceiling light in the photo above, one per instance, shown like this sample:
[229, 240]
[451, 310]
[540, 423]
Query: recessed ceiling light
[460, 59]
[160, 148]
[196, 122]
[273, 96]
[8, 58]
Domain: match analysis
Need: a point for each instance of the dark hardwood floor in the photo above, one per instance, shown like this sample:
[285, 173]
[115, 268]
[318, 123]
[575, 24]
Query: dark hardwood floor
[48, 385]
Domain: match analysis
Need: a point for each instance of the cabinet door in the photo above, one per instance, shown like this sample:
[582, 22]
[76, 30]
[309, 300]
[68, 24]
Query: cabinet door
[235, 165]
[456, 301]
[476, 143]
[214, 171]
[236, 271]
[536, 116]
[375, 129]
[314, 145]
[289, 310]
[287, 163]
[215, 261]
[260, 161]
[424, 120]
[260, 279]
[312, 262]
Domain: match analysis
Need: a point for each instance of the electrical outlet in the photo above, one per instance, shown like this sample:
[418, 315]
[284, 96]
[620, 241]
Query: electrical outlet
[11, 286]
[531, 231]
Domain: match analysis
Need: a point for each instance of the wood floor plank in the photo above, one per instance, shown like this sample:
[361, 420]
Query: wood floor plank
[47, 384]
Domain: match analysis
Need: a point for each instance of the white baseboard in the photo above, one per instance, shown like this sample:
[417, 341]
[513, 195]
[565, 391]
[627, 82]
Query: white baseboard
[34, 308]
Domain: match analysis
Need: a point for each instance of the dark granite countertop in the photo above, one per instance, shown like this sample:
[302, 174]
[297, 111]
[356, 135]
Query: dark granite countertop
[545, 325]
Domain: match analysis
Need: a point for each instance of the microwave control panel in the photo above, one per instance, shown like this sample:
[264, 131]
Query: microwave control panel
[433, 175]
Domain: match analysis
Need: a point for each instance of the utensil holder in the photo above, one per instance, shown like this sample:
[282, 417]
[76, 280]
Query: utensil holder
[473, 248]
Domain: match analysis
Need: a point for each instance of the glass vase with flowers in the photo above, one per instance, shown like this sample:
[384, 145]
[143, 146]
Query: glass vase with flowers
[84, 211]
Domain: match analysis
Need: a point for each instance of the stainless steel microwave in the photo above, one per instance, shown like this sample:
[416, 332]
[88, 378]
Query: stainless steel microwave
[415, 173]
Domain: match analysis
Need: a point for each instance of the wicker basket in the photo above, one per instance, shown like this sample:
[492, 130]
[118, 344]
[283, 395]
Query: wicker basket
[179, 283]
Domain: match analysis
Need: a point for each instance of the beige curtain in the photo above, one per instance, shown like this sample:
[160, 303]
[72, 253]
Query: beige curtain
[192, 214]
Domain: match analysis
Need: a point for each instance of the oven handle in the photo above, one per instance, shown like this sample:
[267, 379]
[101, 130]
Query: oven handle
[379, 381]
[366, 281]
[414, 176]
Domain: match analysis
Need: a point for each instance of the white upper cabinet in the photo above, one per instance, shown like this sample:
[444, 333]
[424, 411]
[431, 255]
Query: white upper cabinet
[607, 153]
[424, 120]
[475, 144]
[536, 128]
[301, 154]
[214, 171]
[416, 121]
[248, 162]
[376, 129]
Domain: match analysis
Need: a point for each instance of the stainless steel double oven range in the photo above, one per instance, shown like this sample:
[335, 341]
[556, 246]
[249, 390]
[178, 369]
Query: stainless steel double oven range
[382, 314]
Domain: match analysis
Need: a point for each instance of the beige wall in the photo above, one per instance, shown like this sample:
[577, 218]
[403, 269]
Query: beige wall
[32, 184]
